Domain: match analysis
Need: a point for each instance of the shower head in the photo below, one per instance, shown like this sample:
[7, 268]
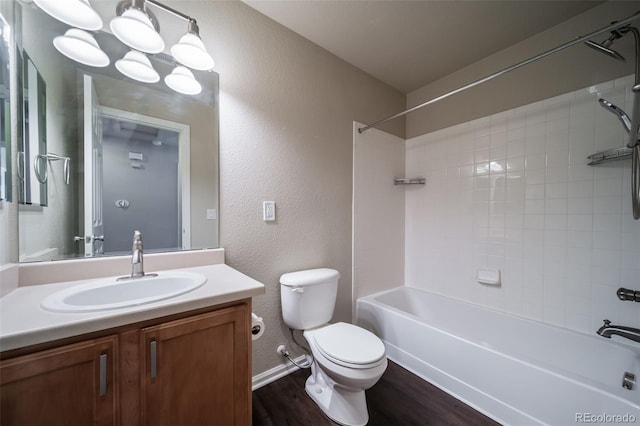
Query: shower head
[624, 118]
[604, 47]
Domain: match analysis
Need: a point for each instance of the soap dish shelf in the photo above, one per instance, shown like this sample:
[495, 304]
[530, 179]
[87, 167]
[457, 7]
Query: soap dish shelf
[609, 155]
[410, 181]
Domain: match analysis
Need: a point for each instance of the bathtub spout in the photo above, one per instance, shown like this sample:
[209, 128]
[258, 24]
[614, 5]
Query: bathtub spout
[607, 330]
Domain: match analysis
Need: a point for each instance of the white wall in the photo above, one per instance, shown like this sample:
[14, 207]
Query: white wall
[378, 211]
[512, 191]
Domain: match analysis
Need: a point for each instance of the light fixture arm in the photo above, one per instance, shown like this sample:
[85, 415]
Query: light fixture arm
[140, 5]
[192, 27]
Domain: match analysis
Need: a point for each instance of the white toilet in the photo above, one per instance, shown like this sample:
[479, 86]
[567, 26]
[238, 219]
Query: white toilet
[347, 359]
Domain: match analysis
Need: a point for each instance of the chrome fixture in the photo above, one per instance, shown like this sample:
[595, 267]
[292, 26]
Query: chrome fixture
[607, 330]
[137, 259]
[43, 175]
[605, 46]
[631, 126]
[409, 181]
[609, 155]
[628, 380]
[622, 116]
[628, 294]
[137, 27]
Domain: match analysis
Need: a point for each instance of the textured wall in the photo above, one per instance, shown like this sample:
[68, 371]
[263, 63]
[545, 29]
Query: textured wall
[571, 69]
[512, 191]
[286, 120]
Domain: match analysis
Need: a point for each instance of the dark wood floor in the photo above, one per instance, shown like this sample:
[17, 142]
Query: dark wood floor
[399, 398]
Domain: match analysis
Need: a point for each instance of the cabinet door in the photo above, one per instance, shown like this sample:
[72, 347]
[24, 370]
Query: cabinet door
[196, 370]
[66, 386]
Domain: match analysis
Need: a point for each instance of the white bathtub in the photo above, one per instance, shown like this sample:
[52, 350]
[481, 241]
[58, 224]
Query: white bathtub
[516, 371]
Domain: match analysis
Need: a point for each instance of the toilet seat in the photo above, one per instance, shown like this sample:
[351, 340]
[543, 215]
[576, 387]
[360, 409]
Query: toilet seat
[350, 346]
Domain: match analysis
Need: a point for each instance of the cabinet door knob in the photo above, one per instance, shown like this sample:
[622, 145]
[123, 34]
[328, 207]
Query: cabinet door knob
[103, 374]
[154, 364]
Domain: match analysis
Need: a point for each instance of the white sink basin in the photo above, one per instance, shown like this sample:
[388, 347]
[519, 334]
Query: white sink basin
[109, 293]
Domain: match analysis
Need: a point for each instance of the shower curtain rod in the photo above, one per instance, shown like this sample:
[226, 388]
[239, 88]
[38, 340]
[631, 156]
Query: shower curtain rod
[581, 39]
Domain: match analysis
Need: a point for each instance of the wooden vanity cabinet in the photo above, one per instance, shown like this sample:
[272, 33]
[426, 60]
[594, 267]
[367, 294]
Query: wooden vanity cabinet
[66, 386]
[195, 371]
[190, 369]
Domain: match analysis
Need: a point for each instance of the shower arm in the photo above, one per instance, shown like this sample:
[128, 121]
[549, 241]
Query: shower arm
[615, 26]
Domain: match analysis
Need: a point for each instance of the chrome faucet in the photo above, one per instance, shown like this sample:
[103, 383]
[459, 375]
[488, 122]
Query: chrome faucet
[137, 260]
[607, 330]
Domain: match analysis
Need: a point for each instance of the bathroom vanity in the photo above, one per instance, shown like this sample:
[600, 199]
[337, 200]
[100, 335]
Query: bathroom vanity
[185, 360]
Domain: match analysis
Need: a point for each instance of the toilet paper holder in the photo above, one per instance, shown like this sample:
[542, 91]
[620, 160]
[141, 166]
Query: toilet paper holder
[257, 327]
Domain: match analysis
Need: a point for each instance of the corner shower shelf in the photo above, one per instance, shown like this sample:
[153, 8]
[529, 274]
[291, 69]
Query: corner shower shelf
[609, 155]
[409, 181]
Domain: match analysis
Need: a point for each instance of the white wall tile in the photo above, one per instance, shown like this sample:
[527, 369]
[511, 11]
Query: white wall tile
[523, 199]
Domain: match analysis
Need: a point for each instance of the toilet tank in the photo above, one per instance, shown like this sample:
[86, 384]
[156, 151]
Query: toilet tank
[308, 297]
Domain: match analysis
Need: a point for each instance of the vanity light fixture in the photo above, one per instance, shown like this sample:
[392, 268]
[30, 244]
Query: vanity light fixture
[137, 66]
[190, 50]
[80, 46]
[77, 13]
[181, 80]
[138, 28]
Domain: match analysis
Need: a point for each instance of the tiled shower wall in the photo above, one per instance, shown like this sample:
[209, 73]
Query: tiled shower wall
[513, 192]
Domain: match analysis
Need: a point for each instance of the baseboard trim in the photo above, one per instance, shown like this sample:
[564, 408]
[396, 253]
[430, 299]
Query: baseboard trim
[269, 376]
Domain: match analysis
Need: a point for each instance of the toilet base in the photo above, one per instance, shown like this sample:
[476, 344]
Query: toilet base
[344, 406]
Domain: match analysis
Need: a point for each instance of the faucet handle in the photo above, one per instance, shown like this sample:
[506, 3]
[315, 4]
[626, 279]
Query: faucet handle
[607, 323]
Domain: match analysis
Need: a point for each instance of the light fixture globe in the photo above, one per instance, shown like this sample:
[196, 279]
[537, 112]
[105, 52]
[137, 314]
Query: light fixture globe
[137, 66]
[190, 51]
[77, 13]
[80, 46]
[182, 81]
[134, 28]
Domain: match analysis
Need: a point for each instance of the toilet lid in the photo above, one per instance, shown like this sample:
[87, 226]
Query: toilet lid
[347, 343]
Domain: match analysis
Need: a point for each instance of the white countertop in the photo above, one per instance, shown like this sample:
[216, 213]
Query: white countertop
[23, 322]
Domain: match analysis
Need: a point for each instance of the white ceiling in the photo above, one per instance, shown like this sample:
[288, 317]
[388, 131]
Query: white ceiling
[408, 44]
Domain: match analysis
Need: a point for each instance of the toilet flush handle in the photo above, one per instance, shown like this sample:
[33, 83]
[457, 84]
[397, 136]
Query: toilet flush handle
[298, 289]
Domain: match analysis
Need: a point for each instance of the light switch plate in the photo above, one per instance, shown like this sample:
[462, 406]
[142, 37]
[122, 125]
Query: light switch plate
[212, 214]
[269, 211]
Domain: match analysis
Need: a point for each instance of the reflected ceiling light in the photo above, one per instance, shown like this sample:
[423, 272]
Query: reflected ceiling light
[77, 13]
[137, 66]
[182, 80]
[80, 46]
[136, 27]
[190, 50]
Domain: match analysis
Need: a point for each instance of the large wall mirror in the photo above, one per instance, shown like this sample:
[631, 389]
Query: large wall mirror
[112, 155]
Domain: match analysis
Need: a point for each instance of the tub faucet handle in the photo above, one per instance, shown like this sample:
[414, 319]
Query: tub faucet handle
[607, 323]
